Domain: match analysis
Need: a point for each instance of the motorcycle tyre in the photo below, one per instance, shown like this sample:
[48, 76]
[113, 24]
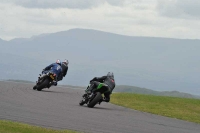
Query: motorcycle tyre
[97, 98]
[43, 85]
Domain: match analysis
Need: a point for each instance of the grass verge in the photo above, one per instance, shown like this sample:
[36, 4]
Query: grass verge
[180, 108]
[14, 127]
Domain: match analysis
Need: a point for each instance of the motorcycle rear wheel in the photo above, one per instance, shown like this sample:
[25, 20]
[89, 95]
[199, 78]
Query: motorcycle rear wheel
[97, 98]
[43, 84]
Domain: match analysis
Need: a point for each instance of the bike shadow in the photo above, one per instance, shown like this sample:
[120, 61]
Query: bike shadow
[103, 108]
[50, 91]
[96, 107]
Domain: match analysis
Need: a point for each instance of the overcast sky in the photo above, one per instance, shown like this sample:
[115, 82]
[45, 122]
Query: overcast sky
[157, 18]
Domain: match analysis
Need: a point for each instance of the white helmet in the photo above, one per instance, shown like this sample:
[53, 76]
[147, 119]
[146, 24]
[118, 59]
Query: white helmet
[58, 61]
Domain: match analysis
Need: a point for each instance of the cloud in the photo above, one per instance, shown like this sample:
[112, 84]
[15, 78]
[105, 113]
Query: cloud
[20, 18]
[186, 9]
[25, 22]
[72, 4]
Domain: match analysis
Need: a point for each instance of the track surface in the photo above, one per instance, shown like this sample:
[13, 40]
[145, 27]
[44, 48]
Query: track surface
[58, 108]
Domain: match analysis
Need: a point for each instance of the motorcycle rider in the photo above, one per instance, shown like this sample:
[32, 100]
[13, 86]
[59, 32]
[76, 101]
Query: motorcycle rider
[108, 80]
[64, 66]
[54, 68]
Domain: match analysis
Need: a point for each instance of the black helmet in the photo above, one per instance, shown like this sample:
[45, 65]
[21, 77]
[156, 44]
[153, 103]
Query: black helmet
[111, 75]
[66, 62]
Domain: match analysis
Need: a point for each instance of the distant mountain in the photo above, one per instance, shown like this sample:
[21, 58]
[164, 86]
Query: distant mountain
[138, 90]
[162, 64]
[134, 89]
[20, 81]
[19, 40]
[2, 41]
[128, 89]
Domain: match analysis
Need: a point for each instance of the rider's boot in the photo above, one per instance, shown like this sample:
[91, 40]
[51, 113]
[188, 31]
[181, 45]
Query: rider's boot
[54, 83]
[34, 87]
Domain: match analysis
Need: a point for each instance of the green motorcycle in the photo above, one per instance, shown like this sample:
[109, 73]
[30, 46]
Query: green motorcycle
[91, 99]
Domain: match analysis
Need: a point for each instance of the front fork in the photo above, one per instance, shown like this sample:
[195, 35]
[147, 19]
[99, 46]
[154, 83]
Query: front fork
[89, 88]
[87, 97]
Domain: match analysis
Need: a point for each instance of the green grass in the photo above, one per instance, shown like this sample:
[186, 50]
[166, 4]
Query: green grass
[180, 108]
[14, 127]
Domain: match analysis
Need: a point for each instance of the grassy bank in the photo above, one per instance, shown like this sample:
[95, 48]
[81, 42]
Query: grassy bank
[180, 108]
[14, 127]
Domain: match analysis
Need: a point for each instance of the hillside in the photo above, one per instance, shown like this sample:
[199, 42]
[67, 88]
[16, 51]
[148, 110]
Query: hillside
[126, 89]
[162, 64]
[138, 90]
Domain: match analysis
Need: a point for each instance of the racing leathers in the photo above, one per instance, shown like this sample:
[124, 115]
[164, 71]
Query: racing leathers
[64, 71]
[54, 68]
[110, 82]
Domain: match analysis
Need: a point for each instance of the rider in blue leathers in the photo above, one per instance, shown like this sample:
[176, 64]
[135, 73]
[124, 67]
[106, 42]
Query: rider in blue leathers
[54, 68]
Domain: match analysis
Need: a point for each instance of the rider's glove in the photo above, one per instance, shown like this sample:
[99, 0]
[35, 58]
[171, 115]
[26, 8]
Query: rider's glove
[43, 70]
[93, 79]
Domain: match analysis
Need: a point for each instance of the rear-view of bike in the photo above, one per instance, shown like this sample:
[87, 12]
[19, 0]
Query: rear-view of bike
[95, 97]
[45, 81]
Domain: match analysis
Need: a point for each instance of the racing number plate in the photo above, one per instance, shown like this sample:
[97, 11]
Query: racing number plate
[52, 77]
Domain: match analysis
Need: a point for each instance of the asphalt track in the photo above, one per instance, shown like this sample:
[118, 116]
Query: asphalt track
[58, 108]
